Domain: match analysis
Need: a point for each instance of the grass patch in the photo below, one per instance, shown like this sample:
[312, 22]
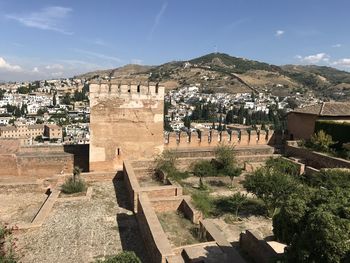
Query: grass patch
[72, 186]
[203, 202]
[179, 229]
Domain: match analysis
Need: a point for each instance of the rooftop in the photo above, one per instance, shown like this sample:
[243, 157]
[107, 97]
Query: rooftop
[327, 109]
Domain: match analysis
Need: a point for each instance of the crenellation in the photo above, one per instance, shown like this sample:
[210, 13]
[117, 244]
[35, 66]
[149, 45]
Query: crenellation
[213, 138]
[126, 122]
[253, 137]
[135, 90]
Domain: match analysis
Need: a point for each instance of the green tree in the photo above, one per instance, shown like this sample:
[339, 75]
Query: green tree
[232, 171]
[202, 169]
[54, 100]
[316, 226]
[224, 156]
[2, 93]
[23, 90]
[271, 186]
[187, 122]
[66, 99]
[17, 113]
[237, 200]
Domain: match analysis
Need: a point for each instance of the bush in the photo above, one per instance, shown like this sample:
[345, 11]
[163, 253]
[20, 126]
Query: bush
[283, 166]
[340, 132]
[230, 204]
[177, 175]
[203, 202]
[71, 186]
[320, 141]
[203, 168]
[224, 156]
[329, 179]
[7, 245]
[166, 161]
[123, 257]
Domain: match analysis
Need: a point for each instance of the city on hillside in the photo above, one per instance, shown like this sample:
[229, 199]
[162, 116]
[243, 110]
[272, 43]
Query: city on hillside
[174, 131]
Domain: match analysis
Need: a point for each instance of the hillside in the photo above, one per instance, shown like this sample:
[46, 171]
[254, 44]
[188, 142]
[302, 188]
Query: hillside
[221, 72]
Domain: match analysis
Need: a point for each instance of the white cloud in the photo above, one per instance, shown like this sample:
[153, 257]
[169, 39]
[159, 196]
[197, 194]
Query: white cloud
[54, 66]
[337, 45]
[279, 33]
[7, 66]
[157, 19]
[98, 55]
[48, 18]
[35, 70]
[314, 59]
[344, 62]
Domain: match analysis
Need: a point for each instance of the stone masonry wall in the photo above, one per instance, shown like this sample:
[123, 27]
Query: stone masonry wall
[126, 122]
[212, 138]
[33, 161]
[316, 159]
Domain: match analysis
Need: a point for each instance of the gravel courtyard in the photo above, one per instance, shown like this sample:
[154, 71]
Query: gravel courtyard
[84, 230]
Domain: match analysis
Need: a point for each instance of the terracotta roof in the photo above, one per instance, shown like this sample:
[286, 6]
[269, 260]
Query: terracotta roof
[327, 109]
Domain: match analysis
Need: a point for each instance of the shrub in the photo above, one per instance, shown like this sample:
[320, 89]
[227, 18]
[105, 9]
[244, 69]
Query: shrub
[203, 202]
[330, 179]
[224, 156]
[7, 245]
[123, 257]
[232, 171]
[177, 175]
[283, 166]
[166, 161]
[320, 141]
[71, 186]
[230, 204]
[339, 131]
[203, 168]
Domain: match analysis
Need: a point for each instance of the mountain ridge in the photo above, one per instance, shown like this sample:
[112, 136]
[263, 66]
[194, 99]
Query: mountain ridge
[222, 72]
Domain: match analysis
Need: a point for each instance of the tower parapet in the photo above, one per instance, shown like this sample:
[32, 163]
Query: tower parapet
[126, 122]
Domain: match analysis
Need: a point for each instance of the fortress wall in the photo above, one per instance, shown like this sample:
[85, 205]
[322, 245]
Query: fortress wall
[316, 159]
[45, 165]
[212, 138]
[126, 122]
[33, 161]
[156, 241]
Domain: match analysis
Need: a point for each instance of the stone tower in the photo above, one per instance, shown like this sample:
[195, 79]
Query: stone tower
[126, 122]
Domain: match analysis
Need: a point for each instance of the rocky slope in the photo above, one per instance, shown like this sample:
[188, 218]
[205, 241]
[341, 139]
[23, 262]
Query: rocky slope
[221, 72]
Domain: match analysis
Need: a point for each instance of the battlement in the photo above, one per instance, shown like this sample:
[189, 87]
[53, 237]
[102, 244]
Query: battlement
[123, 90]
[213, 138]
[126, 121]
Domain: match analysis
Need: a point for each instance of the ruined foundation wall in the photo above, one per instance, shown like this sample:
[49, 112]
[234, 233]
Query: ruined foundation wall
[126, 122]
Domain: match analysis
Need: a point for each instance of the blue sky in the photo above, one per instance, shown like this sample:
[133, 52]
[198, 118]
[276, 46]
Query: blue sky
[49, 39]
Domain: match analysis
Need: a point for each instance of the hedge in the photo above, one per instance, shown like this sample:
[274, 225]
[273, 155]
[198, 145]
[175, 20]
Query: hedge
[340, 131]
